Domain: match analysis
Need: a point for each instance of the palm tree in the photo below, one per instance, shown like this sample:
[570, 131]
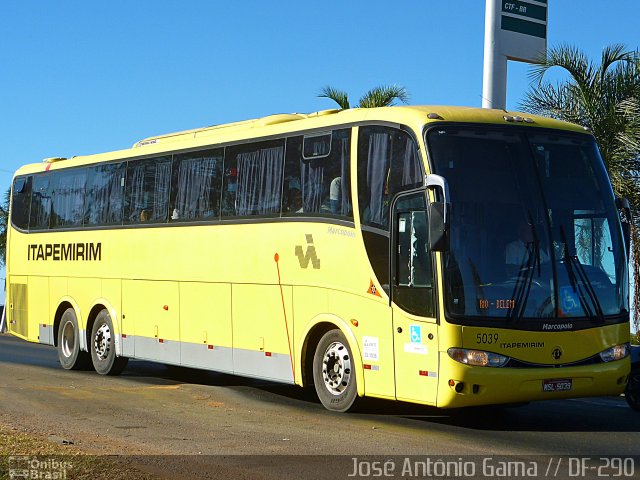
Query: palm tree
[606, 99]
[382, 96]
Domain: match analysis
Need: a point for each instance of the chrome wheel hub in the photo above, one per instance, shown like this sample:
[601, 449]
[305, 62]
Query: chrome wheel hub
[102, 342]
[68, 339]
[336, 368]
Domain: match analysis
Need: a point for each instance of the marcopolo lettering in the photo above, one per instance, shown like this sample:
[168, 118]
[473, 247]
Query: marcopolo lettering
[557, 326]
[65, 251]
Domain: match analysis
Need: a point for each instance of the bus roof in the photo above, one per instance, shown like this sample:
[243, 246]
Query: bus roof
[272, 125]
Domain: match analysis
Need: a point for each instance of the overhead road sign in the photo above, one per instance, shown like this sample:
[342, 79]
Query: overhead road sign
[525, 9]
[514, 30]
[522, 31]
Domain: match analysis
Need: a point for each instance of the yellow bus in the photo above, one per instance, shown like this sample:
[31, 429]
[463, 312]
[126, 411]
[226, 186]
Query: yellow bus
[440, 255]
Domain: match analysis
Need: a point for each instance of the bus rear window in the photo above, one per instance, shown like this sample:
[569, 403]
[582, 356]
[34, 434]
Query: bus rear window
[21, 202]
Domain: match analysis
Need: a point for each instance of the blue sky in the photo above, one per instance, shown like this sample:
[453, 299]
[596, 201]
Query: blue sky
[80, 77]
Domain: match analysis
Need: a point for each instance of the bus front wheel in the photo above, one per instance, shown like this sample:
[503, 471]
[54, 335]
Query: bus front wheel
[103, 348]
[69, 353]
[632, 392]
[334, 373]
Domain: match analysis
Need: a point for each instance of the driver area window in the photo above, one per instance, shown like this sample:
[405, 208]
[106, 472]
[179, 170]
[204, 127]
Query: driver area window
[413, 270]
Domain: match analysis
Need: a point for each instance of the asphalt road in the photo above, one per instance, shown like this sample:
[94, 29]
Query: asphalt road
[151, 410]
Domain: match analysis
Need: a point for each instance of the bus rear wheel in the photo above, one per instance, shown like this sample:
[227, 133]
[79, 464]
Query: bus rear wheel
[69, 353]
[103, 347]
[334, 374]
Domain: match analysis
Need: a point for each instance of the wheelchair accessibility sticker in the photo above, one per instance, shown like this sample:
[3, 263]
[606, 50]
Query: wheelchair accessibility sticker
[416, 334]
[569, 300]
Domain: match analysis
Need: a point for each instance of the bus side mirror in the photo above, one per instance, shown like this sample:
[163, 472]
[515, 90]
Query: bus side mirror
[439, 214]
[622, 204]
[438, 229]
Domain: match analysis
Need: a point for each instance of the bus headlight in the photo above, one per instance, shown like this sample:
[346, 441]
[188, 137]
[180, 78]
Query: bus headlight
[615, 353]
[477, 358]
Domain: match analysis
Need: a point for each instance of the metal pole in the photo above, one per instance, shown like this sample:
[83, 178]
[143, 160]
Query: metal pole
[494, 81]
[3, 325]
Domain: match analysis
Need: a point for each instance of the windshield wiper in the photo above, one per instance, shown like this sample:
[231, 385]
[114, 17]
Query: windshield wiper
[523, 284]
[583, 281]
[584, 278]
[522, 288]
[476, 281]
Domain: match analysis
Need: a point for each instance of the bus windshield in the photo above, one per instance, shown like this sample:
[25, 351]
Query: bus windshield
[534, 232]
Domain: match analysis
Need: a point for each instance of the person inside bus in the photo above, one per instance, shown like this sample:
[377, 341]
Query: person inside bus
[294, 203]
[335, 195]
[145, 215]
[517, 253]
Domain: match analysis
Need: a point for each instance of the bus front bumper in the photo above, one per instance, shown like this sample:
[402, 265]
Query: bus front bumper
[464, 386]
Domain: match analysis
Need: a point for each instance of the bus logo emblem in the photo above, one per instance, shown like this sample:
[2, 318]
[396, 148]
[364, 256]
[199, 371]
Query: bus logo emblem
[556, 353]
[309, 255]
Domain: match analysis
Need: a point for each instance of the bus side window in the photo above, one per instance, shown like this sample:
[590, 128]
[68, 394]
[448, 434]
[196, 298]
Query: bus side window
[340, 174]
[68, 197]
[253, 179]
[148, 184]
[21, 202]
[388, 163]
[40, 202]
[318, 184]
[196, 185]
[292, 196]
[105, 194]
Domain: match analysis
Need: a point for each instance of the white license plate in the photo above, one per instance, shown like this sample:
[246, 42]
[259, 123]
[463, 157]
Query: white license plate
[557, 385]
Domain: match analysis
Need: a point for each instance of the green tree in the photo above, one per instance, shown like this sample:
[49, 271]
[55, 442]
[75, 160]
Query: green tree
[4, 221]
[382, 96]
[605, 98]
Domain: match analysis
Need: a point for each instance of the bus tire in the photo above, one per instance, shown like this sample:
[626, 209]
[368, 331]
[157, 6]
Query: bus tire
[632, 391]
[334, 373]
[69, 353]
[103, 347]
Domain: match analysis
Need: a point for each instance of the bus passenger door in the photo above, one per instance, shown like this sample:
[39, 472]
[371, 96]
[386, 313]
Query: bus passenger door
[415, 328]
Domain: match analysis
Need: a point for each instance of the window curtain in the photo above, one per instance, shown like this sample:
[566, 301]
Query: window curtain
[150, 192]
[161, 192]
[106, 195]
[41, 203]
[411, 171]
[195, 178]
[312, 178]
[320, 147]
[68, 199]
[377, 172]
[137, 196]
[345, 191]
[259, 181]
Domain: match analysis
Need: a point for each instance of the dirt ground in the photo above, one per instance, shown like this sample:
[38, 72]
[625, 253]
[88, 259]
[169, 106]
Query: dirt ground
[175, 423]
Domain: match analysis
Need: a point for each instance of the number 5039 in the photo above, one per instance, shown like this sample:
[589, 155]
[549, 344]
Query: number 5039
[489, 338]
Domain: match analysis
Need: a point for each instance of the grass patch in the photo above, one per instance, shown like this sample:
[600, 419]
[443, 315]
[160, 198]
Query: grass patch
[50, 456]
